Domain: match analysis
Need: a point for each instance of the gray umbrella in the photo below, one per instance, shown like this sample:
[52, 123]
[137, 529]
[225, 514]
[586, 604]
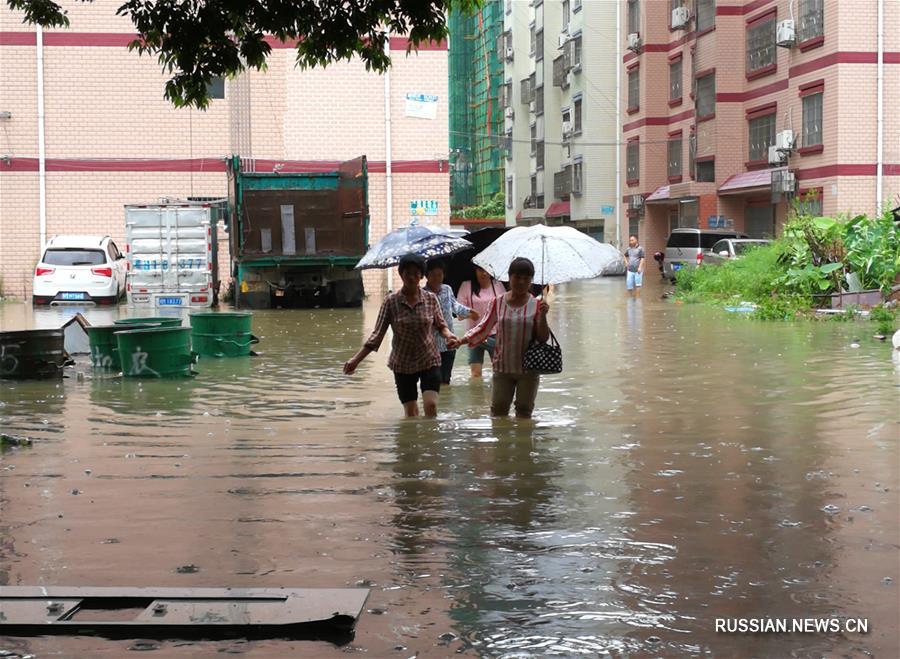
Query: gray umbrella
[413, 239]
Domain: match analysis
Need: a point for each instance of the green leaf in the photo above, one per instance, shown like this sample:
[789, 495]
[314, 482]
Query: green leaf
[830, 267]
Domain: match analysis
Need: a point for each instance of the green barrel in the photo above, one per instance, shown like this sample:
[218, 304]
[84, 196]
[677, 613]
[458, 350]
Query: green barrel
[222, 334]
[33, 354]
[105, 347]
[155, 352]
[161, 321]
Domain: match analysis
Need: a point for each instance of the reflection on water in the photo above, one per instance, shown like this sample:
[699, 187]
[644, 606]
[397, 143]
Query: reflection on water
[685, 466]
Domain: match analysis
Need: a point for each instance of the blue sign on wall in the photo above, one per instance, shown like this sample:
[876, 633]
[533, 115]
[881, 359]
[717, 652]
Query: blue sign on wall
[607, 210]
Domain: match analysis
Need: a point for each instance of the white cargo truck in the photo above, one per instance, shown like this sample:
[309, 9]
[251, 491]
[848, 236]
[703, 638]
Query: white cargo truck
[172, 253]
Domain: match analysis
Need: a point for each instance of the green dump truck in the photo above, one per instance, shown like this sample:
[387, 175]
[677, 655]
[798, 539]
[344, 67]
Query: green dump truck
[296, 237]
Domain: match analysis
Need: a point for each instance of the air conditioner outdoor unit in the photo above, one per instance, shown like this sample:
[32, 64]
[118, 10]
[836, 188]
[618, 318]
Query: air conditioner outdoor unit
[784, 140]
[776, 157]
[681, 16]
[568, 78]
[563, 38]
[785, 34]
[567, 128]
[531, 106]
[508, 113]
[634, 41]
[637, 201]
[509, 53]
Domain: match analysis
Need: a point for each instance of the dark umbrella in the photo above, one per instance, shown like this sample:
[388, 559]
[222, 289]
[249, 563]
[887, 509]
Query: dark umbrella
[459, 266]
[413, 239]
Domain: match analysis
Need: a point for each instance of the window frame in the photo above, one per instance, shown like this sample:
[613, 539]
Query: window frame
[807, 38]
[577, 114]
[633, 169]
[703, 76]
[818, 94]
[633, 17]
[704, 11]
[675, 176]
[757, 147]
[679, 80]
[539, 45]
[578, 177]
[566, 14]
[633, 98]
[761, 28]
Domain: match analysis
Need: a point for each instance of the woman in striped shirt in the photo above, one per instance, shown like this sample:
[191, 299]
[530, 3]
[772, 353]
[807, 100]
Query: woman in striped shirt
[518, 318]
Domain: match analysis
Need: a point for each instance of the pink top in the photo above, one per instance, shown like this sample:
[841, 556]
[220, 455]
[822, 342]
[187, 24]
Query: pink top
[481, 302]
[516, 329]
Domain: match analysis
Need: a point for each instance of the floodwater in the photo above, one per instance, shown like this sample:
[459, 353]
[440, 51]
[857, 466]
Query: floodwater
[687, 465]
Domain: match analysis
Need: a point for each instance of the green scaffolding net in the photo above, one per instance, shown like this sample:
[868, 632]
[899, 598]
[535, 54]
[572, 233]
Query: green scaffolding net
[476, 117]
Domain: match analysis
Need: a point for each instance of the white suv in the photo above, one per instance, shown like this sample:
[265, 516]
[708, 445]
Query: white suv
[79, 269]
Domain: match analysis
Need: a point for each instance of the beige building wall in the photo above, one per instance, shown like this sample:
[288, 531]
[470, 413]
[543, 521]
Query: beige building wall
[112, 138]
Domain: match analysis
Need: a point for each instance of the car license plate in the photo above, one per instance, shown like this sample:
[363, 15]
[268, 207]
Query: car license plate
[676, 266]
[169, 301]
[279, 292]
[71, 296]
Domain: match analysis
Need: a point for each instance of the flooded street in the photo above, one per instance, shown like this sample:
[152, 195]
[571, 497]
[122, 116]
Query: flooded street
[687, 465]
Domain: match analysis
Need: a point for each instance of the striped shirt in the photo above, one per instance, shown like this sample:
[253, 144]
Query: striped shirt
[515, 329]
[412, 348]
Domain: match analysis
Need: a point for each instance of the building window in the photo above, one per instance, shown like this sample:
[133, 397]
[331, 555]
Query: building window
[533, 139]
[706, 171]
[762, 136]
[576, 113]
[539, 45]
[509, 192]
[761, 45]
[533, 40]
[634, 89]
[576, 53]
[577, 180]
[539, 155]
[216, 88]
[706, 96]
[506, 94]
[675, 80]
[533, 188]
[674, 153]
[810, 203]
[565, 15]
[812, 19]
[812, 120]
[507, 144]
[576, 5]
[634, 16]
[539, 100]
[633, 161]
[508, 6]
[706, 14]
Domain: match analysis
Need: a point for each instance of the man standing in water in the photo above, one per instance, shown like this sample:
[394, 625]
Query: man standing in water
[634, 271]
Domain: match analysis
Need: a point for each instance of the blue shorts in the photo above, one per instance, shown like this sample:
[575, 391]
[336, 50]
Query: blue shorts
[476, 354]
[633, 279]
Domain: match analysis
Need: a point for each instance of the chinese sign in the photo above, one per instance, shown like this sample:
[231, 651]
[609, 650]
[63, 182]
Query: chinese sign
[419, 207]
[423, 106]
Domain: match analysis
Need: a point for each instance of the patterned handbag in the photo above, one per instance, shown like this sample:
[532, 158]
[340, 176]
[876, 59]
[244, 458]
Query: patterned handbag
[543, 357]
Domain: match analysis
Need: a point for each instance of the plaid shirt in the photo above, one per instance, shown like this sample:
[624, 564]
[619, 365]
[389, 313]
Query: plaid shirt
[412, 348]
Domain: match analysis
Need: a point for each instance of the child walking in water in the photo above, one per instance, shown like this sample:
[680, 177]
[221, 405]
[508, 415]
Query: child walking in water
[434, 282]
[518, 317]
[479, 294]
[413, 313]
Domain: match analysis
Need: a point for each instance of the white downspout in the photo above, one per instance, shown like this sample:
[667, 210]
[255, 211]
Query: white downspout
[879, 139]
[618, 132]
[42, 164]
[389, 183]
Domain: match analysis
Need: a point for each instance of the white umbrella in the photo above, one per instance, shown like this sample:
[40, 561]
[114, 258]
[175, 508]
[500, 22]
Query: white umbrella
[559, 254]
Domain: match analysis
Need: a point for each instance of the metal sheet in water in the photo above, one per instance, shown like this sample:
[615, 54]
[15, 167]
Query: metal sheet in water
[178, 612]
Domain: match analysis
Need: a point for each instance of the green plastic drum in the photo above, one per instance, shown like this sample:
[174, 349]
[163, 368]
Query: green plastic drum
[105, 347]
[222, 334]
[155, 352]
[162, 321]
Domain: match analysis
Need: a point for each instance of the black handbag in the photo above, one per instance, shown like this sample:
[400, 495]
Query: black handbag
[543, 357]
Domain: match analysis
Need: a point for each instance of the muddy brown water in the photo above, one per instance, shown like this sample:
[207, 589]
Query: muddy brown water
[687, 465]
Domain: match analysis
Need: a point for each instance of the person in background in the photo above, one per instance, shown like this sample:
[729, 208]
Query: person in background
[414, 314]
[434, 282]
[517, 317]
[479, 294]
[634, 270]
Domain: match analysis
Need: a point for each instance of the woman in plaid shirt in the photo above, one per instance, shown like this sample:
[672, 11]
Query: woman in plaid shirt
[413, 313]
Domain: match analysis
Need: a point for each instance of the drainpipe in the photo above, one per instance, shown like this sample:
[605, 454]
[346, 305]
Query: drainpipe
[42, 169]
[389, 184]
[879, 140]
[618, 132]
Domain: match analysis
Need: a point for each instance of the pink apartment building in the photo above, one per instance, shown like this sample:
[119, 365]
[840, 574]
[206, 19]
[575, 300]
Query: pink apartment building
[709, 87]
[108, 136]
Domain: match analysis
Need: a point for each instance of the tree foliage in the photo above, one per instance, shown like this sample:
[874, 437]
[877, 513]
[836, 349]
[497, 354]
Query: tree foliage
[198, 40]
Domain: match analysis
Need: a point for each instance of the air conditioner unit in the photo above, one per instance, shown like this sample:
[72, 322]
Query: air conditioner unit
[531, 106]
[784, 140]
[563, 38]
[637, 201]
[509, 113]
[509, 53]
[776, 157]
[681, 16]
[634, 41]
[568, 78]
[785, 34]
